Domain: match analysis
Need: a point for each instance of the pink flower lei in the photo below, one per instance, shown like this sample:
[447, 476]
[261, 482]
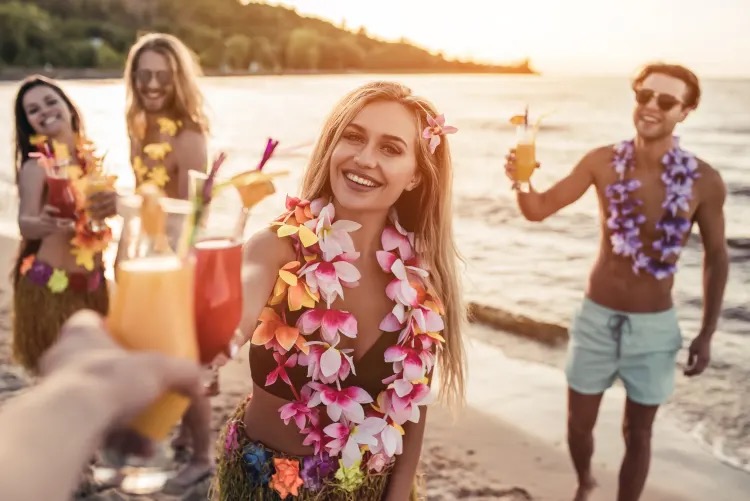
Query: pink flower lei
[361, 424]
[680, 172]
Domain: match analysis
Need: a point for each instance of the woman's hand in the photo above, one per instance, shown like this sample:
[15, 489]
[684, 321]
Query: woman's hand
[102, 204]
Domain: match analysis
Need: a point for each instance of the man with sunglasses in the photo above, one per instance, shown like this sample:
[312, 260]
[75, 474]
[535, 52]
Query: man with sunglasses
[167, 127]
[650, 192]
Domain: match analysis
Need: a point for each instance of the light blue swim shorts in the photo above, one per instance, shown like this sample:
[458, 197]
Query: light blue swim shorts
[639, 348]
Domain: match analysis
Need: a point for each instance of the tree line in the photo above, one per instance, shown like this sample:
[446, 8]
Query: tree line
[226, 35]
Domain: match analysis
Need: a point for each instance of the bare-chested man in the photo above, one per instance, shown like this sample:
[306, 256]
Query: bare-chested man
[650, 193]
[167, 127]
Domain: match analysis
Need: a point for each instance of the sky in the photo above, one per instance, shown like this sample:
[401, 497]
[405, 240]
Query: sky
[560, 36]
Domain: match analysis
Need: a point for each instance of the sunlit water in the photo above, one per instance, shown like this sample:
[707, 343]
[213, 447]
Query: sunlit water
[536, 269]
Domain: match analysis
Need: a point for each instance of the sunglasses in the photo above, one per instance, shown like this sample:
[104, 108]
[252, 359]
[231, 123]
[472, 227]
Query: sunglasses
[665, 102]
[163, 77]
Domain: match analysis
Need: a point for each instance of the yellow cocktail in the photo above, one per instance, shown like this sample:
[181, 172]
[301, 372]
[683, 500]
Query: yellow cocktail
[152, 310]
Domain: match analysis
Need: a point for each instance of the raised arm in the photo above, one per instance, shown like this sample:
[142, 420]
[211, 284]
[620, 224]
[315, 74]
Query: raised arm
[709, 217]
[537, 206]
[190, 154]
[264, 255]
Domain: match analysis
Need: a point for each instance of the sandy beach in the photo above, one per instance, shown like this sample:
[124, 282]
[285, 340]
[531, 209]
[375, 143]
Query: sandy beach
[483, 452]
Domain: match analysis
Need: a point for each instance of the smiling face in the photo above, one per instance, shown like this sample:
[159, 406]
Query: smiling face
[659, 106]
[46, 111]
[375, 160]
[154, 81]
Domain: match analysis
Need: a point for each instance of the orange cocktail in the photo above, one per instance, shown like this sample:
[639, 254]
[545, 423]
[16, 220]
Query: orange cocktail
[152, 310]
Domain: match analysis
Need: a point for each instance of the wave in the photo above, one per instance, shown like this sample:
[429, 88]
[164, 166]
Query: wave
[738, 243]
[497, 318]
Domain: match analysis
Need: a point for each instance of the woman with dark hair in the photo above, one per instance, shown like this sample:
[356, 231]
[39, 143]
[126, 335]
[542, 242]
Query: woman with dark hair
[52, 278]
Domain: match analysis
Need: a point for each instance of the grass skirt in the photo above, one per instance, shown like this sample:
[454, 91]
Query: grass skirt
[38, 314]
[246, 470]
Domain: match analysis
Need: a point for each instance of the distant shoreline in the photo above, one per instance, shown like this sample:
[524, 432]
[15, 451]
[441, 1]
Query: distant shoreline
[10, 73]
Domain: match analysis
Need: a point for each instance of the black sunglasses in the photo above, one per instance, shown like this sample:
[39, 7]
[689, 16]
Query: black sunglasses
[163, 77]
[665, 102]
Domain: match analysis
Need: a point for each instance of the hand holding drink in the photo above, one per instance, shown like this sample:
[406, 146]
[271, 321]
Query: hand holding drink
[521, 162]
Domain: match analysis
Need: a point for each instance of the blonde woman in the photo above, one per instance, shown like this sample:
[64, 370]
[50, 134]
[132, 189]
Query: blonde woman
[167, 126]
[356, 298]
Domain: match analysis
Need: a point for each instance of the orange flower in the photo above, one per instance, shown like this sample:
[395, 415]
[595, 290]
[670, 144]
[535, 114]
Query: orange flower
[272, 328]
[294, 289]
[26, 264]
[286, 480]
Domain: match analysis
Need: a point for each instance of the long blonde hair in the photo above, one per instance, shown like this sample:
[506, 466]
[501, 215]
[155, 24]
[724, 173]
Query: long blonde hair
[188, 103]
[426, 210]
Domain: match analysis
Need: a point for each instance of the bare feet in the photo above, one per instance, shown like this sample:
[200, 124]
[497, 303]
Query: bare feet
[585, 489]
[191, 474]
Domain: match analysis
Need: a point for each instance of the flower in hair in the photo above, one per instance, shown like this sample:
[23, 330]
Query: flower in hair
[436, 129]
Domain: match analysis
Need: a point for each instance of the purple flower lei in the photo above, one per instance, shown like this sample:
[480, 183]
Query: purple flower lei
[680, 171]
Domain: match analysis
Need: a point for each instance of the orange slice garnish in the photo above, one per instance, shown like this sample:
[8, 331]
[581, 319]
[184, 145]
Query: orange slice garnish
[518, 120]
[153, 218]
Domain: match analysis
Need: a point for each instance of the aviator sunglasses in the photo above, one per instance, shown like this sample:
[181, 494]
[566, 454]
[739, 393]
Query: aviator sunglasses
[665, 102]
[163, 77]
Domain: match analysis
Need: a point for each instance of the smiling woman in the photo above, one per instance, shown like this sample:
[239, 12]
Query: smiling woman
[351, 369]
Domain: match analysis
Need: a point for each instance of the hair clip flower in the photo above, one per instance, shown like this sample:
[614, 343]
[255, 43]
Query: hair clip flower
[436, 129]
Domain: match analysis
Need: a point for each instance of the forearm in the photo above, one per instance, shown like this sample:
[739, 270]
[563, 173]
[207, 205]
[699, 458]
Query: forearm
[531, 205]
[58, 424]
[402, 477]
[33, 228]
[715, 272]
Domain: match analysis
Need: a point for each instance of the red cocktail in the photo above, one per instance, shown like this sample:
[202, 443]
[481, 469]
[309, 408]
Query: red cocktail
[218, 295]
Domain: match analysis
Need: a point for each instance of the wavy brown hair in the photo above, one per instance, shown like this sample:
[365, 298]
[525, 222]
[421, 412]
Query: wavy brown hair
[188, 101]
[426, 211]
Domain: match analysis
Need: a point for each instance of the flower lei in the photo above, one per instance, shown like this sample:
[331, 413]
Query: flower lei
[88, 240]
[362, 435]
[157, 153]
[680, 171]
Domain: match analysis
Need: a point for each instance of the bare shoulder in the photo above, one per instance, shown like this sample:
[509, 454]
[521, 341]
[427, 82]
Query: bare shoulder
[598, 157]
[710, 183]
[266, 249]
[189, 137]
[31, 173]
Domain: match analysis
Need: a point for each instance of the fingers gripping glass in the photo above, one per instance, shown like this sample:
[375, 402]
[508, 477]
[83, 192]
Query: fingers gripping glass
[665, 102]
[144, 77]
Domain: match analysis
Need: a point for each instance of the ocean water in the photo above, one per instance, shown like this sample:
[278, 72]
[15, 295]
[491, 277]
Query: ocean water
[535, 269]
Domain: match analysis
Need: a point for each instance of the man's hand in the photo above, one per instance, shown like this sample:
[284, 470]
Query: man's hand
[699, 356]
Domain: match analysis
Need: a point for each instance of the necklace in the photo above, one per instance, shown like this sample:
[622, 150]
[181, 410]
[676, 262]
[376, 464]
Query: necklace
[362, 426]
[153, 169]
[680, 172]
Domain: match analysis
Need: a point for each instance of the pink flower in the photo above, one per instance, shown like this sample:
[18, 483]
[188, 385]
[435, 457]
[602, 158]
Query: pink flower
[390, 441]
[333, 236]
[396, 237]
[299, 410]
[346, 401]
[436, 129]
[338, 363]
[280, 370]
[402, 399]
[417, 321]
[330, 277]
[401, 288]
[377, 462]
[348, 438]
[313, 436]
[414, 363]
[330, 323]
[230, 443]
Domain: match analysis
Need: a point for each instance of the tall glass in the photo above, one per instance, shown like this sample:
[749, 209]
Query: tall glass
[525, 155]
[60, 193]
[152, 309]
[218, 267]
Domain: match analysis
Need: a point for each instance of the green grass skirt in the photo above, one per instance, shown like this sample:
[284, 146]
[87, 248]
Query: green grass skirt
[38, 314]
[232, 482]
